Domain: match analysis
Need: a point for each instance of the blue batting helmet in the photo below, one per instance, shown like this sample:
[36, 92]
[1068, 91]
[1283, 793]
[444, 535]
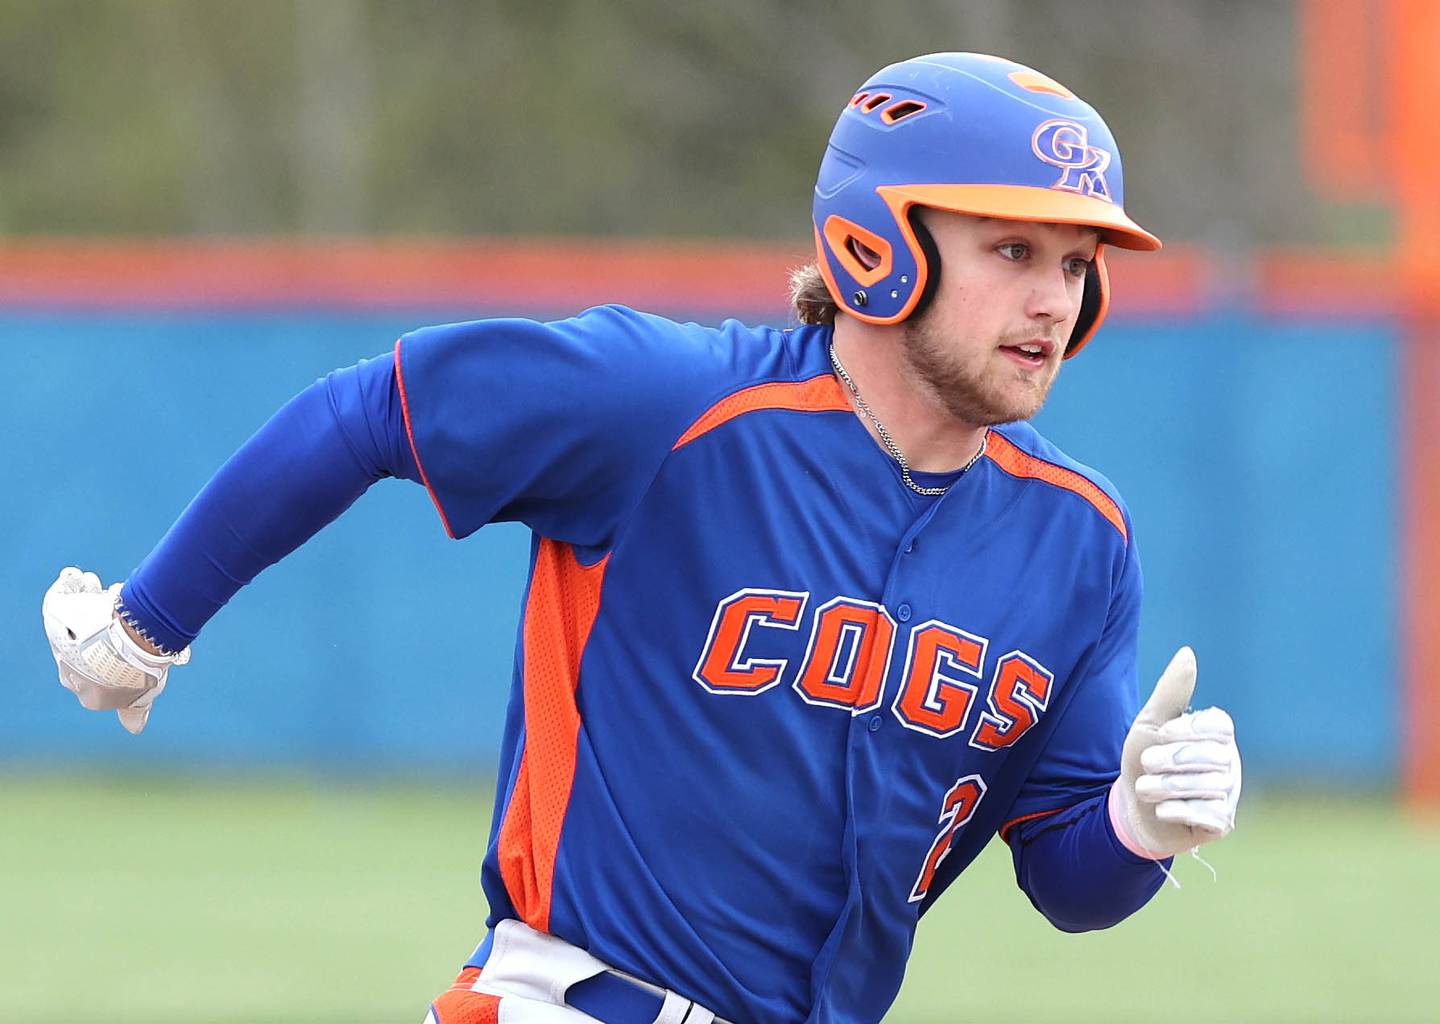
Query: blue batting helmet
[973, 134]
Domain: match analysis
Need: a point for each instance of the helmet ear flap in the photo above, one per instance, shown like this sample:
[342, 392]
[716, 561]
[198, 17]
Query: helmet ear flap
[930, 253]
[1094, 303]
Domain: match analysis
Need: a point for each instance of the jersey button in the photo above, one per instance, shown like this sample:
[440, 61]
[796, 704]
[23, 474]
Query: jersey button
[875, 723]
[903, 613]
[909, 546]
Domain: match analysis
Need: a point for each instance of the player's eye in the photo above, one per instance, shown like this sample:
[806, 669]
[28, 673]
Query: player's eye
[1077, 266]
[1014, 251]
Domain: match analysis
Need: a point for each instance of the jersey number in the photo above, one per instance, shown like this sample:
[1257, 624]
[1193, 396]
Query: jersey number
[956, 810]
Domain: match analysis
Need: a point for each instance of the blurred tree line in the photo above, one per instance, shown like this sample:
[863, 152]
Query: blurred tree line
[643, 117]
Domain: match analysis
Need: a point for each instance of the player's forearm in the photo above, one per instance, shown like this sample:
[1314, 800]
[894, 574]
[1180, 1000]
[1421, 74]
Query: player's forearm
[295, 475]
[1077, 873]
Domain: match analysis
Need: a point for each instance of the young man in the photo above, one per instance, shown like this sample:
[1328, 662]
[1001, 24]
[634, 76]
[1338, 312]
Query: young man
[812, 614]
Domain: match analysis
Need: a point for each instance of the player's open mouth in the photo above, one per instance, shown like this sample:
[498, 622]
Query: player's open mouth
[1030, 354]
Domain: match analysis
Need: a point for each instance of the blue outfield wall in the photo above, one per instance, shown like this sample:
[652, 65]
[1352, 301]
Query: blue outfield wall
[1259, 460]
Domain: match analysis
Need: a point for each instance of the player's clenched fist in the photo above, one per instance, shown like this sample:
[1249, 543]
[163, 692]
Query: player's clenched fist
[1179, 779]
[98, 660]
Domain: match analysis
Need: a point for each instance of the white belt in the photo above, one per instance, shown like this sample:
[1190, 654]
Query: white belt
[527, 964]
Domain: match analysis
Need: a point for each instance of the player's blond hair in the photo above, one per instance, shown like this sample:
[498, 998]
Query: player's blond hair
[810, 301]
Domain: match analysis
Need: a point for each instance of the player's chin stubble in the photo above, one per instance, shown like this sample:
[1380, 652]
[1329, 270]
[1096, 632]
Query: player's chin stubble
[976, 395]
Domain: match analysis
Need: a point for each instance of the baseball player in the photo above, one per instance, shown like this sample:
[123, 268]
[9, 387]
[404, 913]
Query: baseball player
[812, 614]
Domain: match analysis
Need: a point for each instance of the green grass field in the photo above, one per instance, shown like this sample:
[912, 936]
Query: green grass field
[141, 900]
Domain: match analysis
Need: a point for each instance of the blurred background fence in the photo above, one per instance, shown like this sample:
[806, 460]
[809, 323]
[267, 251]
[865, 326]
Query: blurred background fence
[205, 204]
[1268, 534]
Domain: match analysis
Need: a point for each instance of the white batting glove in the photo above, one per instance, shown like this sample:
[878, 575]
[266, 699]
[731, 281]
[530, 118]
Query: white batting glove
[1179, 782]
[98, 660]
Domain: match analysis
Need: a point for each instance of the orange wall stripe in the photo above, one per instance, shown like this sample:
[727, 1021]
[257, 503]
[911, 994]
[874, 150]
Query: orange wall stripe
[1022, 464]
[527, 276]
[559, 614]
[514, 274]
[1319, 283]
[508, 274]
[1177, 281]
[818, 394]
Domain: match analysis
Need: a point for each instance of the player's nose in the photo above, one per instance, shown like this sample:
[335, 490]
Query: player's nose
[1053, 296]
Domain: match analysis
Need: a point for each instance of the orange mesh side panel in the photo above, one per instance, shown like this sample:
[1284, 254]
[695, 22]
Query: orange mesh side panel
[564, 600]
[461, 1005]
[818, 394]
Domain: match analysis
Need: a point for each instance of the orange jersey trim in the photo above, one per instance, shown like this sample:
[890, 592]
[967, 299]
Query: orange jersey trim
[410, 436]
[559, 614]
[1005, 828]
[1009, 457]
[818, 394]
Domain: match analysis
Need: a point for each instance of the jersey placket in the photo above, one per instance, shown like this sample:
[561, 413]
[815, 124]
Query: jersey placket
[865, 730]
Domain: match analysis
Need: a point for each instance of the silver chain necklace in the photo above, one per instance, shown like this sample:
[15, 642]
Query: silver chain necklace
[888, 441]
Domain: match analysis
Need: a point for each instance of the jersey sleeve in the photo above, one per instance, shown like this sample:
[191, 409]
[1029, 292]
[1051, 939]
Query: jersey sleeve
[297, 473]
[561, 426]
[1077, 873]
[1082, 756]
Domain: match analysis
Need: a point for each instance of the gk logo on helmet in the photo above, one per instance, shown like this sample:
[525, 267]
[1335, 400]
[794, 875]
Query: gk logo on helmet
[1066, 144]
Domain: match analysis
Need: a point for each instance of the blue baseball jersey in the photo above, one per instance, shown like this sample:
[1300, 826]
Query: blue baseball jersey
[768, 702]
